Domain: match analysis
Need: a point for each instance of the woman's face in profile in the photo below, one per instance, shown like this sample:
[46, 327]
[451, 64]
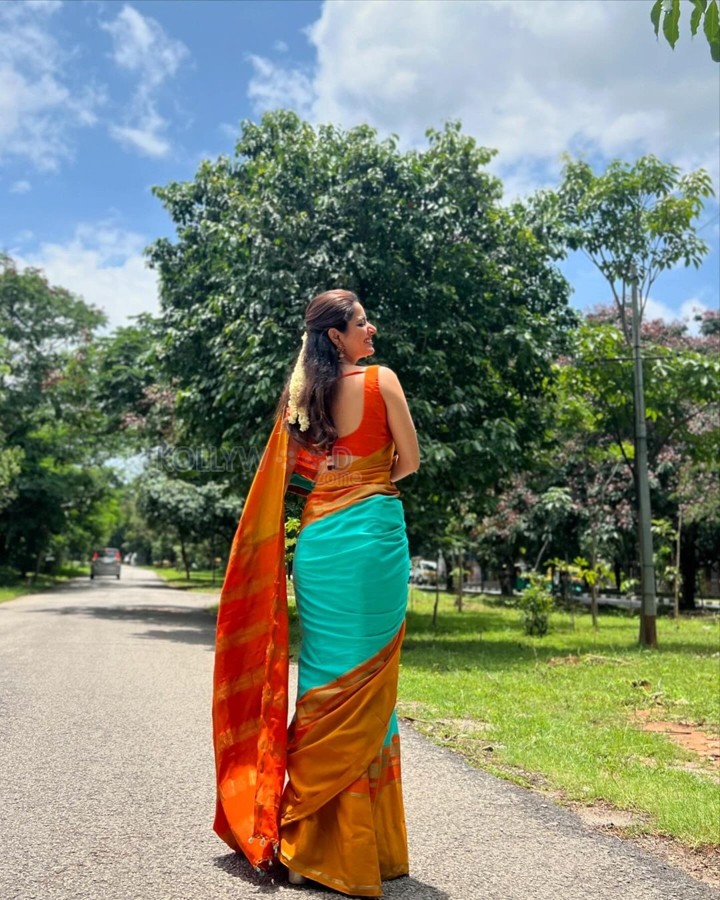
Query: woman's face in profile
[358, 336]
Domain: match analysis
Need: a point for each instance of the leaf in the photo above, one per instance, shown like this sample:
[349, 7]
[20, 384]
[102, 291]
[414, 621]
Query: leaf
[671, 20]
[711, 28]
[655, 14]
[696, 16]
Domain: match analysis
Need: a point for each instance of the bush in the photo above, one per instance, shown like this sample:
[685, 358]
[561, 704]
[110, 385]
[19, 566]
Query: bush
[535, 604]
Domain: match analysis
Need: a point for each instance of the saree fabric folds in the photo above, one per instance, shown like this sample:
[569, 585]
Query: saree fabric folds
[339, 820]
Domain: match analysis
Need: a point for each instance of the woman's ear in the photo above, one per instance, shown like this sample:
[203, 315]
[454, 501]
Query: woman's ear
[334, 335]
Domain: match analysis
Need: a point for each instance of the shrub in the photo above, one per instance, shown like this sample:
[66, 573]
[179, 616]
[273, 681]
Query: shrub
[535, 604]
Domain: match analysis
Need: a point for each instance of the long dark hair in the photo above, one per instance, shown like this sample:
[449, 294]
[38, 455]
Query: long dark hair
[331, 309]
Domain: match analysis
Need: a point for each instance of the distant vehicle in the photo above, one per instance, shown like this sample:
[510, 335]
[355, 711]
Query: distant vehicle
[106, 562]
[424, 571]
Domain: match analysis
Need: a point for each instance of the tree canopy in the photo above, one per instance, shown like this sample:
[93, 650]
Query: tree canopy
[470, 309]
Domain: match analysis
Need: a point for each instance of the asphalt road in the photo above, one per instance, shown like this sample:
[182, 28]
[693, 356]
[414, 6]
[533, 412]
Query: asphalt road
[106, 776]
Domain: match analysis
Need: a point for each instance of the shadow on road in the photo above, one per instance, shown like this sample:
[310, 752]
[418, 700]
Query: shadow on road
[236, 865]
[172, 623]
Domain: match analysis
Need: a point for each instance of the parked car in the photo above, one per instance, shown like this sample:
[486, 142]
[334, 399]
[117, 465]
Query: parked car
[424, 572]
[106, 562]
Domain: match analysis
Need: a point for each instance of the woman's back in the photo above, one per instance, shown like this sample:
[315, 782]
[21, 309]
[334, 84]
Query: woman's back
[359, 413]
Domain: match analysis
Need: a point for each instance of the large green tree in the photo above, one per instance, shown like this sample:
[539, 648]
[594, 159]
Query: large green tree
[469, 308]
[59, 495]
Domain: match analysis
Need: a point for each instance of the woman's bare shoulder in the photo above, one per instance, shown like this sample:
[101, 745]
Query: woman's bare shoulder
[388, 381]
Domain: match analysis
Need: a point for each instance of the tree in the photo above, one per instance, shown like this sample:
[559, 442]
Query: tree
[57, 486]
[470, 309]
[682, 405]
[632, 222]
[191, 513]
[633, 219]
[705, 12]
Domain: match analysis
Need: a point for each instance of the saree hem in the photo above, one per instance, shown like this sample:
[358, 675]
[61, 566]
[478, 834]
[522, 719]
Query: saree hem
[337, 884]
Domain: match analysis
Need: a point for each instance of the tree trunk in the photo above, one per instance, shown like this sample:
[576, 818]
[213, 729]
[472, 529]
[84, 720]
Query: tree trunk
[593, 586]
[38, 563]
[435, 607]
[186, 562]
[688, 566]
[648, 630]
[459, 601]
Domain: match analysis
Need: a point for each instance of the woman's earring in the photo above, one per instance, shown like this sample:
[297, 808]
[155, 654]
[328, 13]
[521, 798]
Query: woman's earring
[341, 352]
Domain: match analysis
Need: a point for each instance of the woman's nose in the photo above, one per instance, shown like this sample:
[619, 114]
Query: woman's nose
[372, 329]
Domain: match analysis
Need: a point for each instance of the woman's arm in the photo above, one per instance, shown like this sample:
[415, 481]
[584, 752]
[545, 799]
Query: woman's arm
[401, 425]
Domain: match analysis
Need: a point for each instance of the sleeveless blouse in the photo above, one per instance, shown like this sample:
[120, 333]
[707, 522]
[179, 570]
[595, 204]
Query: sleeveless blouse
[359, 464]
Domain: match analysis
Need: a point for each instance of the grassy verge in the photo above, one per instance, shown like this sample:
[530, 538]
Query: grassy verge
[563, 712]
[200, 579]
[43, 583]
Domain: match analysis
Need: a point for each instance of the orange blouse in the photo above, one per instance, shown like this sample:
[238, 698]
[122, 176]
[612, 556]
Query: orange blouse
[360, 462]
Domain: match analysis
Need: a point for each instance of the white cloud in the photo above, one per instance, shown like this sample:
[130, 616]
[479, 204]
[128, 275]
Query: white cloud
[689, 310]
[532, 78]
[141, 47]
[103, 264]
[39, 107]
[20, 187]
[273, 86]
[280, 47]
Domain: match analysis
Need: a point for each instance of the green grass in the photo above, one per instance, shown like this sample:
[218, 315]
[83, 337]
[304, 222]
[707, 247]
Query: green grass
[43, 583]
[480, 686]
[200, 579]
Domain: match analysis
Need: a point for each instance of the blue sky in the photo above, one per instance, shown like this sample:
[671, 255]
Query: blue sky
[101, 100]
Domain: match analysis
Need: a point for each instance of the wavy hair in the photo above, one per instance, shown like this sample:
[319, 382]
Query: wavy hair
[312, 387]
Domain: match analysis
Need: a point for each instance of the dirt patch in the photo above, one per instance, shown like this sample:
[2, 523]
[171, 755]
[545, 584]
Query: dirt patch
[590, 658]
[686, 734]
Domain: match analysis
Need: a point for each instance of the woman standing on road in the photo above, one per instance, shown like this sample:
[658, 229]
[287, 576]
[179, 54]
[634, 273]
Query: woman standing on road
[343, 438]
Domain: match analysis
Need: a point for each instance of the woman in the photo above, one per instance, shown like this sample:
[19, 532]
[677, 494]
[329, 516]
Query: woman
[344, 437]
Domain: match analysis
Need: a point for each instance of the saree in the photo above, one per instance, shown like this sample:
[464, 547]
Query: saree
[339, 820]
[342, 820]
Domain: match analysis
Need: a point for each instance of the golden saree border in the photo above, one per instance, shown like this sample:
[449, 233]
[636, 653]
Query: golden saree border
[250, 679]
[350, 482]
[342, 820]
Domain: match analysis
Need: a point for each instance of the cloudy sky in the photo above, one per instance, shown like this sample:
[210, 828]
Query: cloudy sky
[99, 101]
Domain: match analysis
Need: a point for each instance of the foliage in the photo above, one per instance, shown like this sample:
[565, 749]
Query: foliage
[535, 603]
[191, 513]
[633, 220]
[59, 498]
[705, 12]
[131, 393]
[469, 308]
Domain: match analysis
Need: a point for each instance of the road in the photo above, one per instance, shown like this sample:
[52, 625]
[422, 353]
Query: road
[106, 776]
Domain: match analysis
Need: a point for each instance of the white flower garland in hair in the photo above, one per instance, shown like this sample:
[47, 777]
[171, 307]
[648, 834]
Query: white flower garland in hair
[298, 414]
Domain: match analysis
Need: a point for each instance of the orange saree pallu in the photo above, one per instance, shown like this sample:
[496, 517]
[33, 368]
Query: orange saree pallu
[250, 680]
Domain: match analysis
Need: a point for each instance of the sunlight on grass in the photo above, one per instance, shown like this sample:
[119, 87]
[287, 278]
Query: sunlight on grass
[43, 583]
[200, 579]
[562, 709]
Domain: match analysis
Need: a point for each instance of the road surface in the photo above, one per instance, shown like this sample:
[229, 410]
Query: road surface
[107, 791]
